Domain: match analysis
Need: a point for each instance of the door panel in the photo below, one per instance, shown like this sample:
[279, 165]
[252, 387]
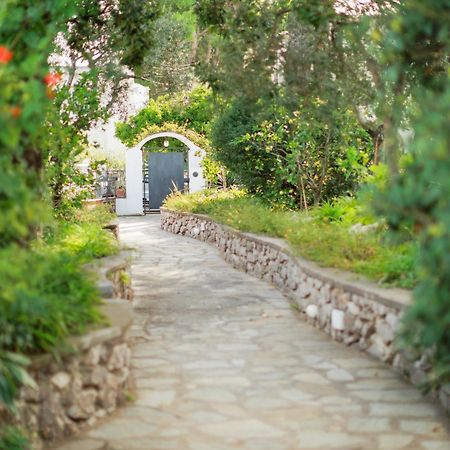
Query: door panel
[165, 171]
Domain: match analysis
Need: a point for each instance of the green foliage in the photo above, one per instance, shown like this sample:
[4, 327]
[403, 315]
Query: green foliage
[86, 240]
[167, 67]
[13, 374]
[13, 439]
[313, 235]
[417, 196]
[27, 30]
[40, 140]
[76, 109]
[190, 110]
[297, 159]
[188, 114]
[55, 299]
[47, 295]
[112, 34]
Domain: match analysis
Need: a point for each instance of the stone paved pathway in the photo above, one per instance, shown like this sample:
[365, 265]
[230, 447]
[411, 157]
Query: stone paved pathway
[222, 363]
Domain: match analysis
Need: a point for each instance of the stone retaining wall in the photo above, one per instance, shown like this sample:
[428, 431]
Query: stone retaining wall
[90, 376]
[347, 307]
[85, 384]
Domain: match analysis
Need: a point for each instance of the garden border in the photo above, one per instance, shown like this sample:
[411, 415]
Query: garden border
[90, 376]
[345, 305]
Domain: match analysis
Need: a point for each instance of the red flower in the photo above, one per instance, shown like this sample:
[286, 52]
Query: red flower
[15, 111]
[5, 55]
[52, 79]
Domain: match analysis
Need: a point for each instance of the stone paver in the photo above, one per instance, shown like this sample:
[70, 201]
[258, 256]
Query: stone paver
[221, 362]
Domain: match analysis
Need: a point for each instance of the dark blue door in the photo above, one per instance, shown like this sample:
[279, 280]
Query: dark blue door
[165, 174]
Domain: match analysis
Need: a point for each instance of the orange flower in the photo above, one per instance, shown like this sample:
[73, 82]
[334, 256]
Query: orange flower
[5, 55]
[52, 79]
[15, 111]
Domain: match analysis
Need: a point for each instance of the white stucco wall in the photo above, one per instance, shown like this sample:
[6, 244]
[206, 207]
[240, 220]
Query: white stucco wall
[132, 204]
[104, 134]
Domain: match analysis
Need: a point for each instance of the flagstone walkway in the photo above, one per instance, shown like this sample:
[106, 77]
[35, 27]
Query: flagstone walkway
[222, 362]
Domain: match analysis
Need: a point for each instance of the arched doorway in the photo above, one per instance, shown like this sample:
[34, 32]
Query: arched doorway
[132, 204]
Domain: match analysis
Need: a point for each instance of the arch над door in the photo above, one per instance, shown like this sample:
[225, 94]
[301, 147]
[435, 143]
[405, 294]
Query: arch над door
[165, 174]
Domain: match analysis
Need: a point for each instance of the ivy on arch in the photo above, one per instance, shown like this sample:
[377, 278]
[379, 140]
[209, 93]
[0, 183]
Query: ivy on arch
[212, 171]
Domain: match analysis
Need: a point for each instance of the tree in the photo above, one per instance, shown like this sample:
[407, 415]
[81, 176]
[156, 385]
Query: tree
[417, 198]
[168, 67]
[275, 62]
[108, 40]
[75, 110]
[27, 31]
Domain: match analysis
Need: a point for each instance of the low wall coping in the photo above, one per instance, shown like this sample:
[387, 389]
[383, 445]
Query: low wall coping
[119, 317]
[348, 281]
[103, 267]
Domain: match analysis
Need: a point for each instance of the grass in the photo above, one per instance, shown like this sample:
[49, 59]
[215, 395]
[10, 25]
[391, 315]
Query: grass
[322, 235]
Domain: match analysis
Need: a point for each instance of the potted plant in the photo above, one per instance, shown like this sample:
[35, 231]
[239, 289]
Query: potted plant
[120, 192]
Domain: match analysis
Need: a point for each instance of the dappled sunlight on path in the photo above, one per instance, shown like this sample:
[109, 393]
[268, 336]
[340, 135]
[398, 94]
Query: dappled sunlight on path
[222, 362]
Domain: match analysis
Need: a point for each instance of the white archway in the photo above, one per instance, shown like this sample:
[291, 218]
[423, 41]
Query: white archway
[132, 203]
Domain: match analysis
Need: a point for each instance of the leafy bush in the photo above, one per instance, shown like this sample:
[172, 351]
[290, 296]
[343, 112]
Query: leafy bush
[47, 295]
[55, 298]
[416, 46]
[335, 211]
[192, 110]
[86, 241]
[294, 159]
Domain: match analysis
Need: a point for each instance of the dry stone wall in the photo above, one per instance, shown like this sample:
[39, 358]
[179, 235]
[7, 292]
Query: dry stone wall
[91, 375]
[80, 388]
[348, 308]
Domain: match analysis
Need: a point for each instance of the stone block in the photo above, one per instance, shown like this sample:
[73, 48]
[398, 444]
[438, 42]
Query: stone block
[384, 330]
[353, 309]
[380, 349]
[97, 377]
[94, 355]
[120, 357]
[108, 398]
[61, 380]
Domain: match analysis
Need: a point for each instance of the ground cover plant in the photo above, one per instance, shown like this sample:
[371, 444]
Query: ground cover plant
[329, 235]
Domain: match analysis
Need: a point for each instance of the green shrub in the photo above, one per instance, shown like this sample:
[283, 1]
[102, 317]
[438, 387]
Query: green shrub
[12, 438]
[12, 375]
[87, 241]
[334, 211]
[192, 110]
[45, 296]
[83, 236]
[415, 49]
[295, 159]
